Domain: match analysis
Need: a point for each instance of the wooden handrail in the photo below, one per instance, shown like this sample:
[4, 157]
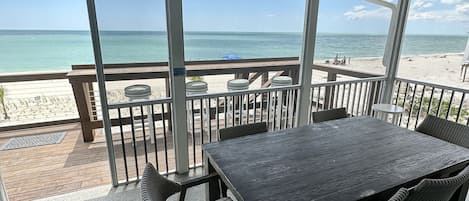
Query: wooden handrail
[22, 77]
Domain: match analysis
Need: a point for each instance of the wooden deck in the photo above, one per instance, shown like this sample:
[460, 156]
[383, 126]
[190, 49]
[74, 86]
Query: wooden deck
[45, 171]
[38, 172]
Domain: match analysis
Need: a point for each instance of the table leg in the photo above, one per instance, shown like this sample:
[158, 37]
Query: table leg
[82, 99]
[212, 188]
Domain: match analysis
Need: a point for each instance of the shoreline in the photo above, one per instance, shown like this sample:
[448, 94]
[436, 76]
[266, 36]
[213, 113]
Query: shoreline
[318, 61]
[52, 99]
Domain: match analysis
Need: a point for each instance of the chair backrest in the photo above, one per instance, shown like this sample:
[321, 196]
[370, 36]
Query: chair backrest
[446, 130]
[438, 189]
[327, 115]
[242, 130]
[155, 187]
[401, 195]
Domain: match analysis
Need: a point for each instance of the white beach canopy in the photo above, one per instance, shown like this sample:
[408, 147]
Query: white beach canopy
[466, 53]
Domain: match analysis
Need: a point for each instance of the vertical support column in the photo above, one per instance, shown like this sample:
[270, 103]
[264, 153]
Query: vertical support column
[399, 23]
[102, 89]
[177, 76]
[306, 60]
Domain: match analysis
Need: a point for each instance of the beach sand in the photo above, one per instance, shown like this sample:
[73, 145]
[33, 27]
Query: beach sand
[37, 101]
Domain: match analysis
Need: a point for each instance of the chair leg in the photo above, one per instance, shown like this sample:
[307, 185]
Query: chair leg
[182, 194]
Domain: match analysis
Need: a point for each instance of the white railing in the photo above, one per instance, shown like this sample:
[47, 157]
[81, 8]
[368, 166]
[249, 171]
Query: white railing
[207, 113]
[357, 96]
[422, 98]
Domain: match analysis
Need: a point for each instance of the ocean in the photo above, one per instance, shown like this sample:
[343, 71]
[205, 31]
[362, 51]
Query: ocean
[26, 51]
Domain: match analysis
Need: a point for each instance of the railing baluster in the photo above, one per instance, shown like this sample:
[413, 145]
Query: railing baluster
[217, 112]
[336, 96]
[431, 101]
[193, 132]
[420, 106]
[449, 104]
[255, 107]
[262, 107]
[318, 99]
[353, 99]
[269, 105]
[226, 112]
[275, 101]
[365, 99]
[411, 106]
[144, 136]
[247, 108]
[124, 153]
[403, 103]
[134, 141]
[233, 111]
[461, 104]
[331, 95]
[439, 102]
[240, 109]
[202, 125]
[165, 137]
[209, 120]
[398, 92]
[343, 96]
[311, 106]
[348, 95]
[359, 98]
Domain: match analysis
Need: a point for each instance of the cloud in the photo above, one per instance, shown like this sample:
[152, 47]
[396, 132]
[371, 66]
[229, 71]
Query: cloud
[361, 11]
[420, 10]
[450, 1]
[421, 4]
[463, 9]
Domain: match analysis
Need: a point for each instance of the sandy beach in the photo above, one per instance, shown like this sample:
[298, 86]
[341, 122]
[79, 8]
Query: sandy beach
[28, 102]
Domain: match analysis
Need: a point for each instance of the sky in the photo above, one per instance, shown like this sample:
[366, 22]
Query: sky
[335, 16]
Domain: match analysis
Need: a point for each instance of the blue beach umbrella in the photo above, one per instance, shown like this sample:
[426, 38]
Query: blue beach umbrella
[231, 57]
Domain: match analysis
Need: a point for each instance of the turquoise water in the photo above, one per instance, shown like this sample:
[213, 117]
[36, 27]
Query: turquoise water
[22, 51]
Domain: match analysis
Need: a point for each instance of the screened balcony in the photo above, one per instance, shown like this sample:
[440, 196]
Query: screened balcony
[109, 142]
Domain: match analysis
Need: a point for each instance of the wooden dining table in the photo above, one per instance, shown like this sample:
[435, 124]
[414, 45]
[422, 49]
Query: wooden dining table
[357, 158]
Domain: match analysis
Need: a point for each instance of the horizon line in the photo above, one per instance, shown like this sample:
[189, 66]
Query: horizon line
[228, 31]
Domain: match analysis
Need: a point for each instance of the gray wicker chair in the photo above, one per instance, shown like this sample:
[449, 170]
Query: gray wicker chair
[242, 130]
[155, 187]
[446, 130]
[433, 189]
[327, 115]
[401, 195]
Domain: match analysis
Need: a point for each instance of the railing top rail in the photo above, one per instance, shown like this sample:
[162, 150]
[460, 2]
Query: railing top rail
[23, 77]
[371, 79]
[241, 92]
[154, 64]
[433, 85]
[139, 103]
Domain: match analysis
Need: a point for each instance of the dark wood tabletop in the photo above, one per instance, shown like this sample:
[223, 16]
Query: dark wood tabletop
[350, 159]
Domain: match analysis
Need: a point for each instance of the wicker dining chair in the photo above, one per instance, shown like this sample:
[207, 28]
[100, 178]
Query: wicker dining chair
[242, 130]
[445, 130]
[155, 187]
[401, 195]
[327, 115]
[433, 189]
